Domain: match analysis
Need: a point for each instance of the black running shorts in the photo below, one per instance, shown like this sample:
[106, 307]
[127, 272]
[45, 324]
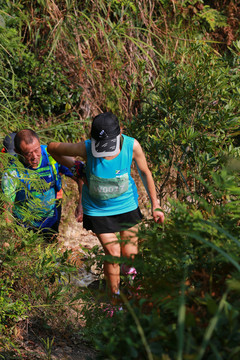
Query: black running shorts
[113, 223]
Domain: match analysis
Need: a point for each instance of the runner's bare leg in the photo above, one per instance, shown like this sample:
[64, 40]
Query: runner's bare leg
[112, 247]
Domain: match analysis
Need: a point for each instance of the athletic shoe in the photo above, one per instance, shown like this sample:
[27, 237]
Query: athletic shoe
[110, 310]
[130, 272]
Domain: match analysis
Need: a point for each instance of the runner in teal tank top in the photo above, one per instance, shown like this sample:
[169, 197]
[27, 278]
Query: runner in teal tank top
[111, 189]
[110, 199]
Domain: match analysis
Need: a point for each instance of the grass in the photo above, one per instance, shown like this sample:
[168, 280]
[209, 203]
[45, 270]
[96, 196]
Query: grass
[140, 60]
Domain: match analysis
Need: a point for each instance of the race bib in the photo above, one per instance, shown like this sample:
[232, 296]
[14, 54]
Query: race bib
[104, 189]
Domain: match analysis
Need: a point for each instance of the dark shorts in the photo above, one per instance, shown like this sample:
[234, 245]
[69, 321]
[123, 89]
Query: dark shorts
[112, 224]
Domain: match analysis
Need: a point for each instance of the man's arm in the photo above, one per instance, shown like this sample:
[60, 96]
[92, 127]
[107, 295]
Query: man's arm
[7, 212]
[8, 185]
[147, 179]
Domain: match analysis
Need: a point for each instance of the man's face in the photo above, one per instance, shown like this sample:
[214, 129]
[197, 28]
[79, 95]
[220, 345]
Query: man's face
[31, 153]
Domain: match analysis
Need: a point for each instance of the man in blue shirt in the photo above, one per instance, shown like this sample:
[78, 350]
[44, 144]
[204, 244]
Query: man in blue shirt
[31, 185]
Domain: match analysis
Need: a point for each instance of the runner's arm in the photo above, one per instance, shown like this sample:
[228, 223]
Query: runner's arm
[63, 153]
[147, 179]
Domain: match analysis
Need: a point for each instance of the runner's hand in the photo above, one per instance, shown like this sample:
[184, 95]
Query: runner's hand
[158, 216]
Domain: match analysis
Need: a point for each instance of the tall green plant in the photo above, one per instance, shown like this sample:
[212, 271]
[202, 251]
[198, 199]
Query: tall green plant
[189, 275]
[33, 85]
[187, 119]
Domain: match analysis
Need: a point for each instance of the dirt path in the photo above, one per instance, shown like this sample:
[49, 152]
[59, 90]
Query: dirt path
[72, 236]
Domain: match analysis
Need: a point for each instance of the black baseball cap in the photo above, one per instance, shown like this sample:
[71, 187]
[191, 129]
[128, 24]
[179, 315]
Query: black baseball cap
[8, 143]
[105, 135]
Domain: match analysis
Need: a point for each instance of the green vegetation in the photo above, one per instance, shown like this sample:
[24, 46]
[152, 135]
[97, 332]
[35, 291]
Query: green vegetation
[170, 71]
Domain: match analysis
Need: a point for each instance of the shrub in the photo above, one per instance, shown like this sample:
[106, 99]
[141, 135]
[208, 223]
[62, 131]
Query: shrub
[189, 275]
[187, 119]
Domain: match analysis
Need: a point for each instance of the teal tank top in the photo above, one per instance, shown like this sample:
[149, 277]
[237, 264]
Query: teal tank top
[111, 190]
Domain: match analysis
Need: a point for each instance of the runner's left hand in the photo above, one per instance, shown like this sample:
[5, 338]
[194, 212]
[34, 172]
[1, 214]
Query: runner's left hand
[158, 216]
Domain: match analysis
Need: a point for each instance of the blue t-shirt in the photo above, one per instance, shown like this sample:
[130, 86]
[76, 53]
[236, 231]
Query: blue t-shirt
[111, 190]
[33, 191]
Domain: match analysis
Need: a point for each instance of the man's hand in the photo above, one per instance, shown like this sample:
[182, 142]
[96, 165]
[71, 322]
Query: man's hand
[8, 213]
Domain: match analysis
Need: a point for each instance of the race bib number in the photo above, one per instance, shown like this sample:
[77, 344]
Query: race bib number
[104, 189]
